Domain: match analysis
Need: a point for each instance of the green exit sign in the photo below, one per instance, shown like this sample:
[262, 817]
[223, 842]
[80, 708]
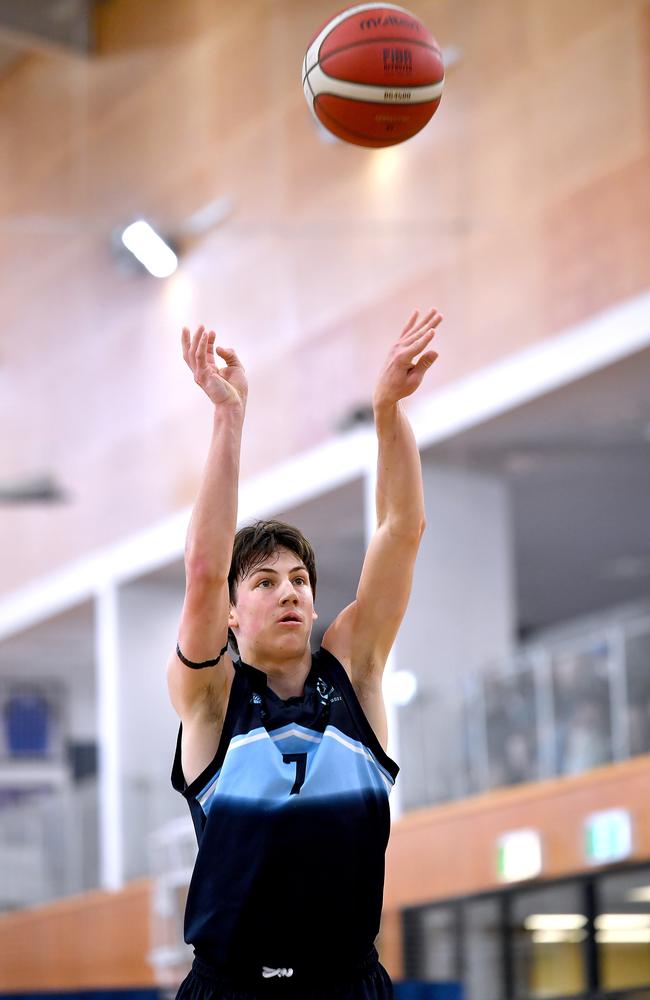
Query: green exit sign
[608, 836]
[519, 856]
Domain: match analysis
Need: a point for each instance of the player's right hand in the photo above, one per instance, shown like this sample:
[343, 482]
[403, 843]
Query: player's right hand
[224, 386]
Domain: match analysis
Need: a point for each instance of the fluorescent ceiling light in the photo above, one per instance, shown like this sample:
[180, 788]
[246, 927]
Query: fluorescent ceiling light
[558, 937]
[554, 922]
[567, 928]
[632, 935]
[622, 921]
[152, 251]
[640, 895]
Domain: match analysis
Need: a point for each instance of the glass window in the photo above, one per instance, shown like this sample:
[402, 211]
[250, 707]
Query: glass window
[482, 950]
[581, 696]
[511, 727]
[547, 928]
[431, 944]
[637, 669]
[623, 930]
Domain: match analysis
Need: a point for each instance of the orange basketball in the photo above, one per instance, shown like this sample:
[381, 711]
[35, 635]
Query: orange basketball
[373, 75]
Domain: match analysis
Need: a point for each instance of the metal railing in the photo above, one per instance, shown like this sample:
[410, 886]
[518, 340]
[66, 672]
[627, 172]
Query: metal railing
[561, 706]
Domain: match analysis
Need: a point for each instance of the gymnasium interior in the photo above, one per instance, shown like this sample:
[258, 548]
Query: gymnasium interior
[518, 688]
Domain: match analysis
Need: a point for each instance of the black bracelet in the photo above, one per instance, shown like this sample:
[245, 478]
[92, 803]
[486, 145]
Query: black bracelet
[199, 666]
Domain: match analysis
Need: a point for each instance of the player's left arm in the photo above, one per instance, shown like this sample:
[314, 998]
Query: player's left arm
[364, 632]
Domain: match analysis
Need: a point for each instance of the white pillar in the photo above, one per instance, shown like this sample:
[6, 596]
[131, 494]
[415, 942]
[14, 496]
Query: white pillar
[461, 619]
[149, 613]
[111, 865]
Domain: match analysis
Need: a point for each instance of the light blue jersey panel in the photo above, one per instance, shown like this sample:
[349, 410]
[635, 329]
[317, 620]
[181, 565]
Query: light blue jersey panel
[254, 768]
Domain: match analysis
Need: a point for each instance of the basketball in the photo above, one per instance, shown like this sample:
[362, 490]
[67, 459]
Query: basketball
[373, 75]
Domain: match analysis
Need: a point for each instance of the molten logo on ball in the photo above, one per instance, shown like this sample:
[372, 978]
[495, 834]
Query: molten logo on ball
[378, 22]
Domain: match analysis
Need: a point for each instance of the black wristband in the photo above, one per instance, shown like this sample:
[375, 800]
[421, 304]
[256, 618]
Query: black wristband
[199, 666]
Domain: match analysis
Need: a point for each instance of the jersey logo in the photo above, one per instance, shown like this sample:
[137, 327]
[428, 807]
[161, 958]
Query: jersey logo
[267, 973]
[327, 692]
[324, 689]
[256, 700]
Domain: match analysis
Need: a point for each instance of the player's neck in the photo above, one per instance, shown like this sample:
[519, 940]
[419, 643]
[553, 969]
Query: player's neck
[285, 677]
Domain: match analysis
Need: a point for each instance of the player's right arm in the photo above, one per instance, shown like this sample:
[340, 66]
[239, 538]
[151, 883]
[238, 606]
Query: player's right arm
[199, 695]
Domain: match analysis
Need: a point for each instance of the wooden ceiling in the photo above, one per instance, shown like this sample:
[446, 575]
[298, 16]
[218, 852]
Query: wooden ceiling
[518, 211]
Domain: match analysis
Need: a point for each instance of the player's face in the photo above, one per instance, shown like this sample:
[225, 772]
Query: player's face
[275, 590]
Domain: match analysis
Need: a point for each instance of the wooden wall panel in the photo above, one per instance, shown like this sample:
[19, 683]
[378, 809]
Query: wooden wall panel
[100, 940]
[96, 940]
[516, 212]
[455, 845]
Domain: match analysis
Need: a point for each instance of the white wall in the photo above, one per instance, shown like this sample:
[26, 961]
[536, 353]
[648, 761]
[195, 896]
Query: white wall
[461, 617]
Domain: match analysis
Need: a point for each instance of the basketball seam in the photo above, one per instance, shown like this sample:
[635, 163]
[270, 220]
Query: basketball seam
[341, 18]
[416, 89]
[311, 89]
[400, 85]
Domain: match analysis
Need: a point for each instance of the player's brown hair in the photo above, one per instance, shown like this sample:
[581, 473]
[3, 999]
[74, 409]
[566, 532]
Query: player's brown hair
[256, 542]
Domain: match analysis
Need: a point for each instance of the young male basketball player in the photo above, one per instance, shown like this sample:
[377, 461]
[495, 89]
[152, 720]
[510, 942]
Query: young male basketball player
[281, 752]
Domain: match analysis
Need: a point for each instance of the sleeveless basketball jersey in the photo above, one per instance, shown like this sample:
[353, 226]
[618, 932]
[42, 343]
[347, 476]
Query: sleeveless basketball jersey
[292, 821]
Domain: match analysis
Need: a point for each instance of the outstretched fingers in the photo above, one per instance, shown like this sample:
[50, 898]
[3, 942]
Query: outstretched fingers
[193, 344]
[416, 334]
[199, 350]
[187, 345]
[205, 350]
[410, 351]
[432, 319]
[419, 341]
[228, 355]
[409, 326]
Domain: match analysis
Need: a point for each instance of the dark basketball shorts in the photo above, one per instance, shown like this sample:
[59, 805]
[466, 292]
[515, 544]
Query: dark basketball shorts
[368, 981]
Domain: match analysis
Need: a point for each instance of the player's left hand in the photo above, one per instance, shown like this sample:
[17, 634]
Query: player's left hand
[402, 375]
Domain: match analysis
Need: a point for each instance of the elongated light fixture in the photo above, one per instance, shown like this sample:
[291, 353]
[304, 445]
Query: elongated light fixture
[150, 249]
